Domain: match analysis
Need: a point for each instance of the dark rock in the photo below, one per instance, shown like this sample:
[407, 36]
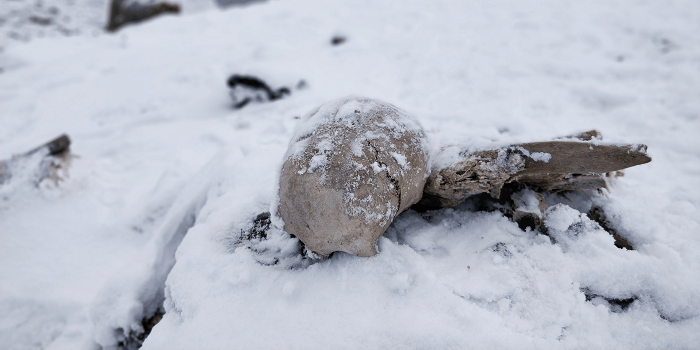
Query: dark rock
[122, 12]
[337, 40]
[260, 226]
[136, 338]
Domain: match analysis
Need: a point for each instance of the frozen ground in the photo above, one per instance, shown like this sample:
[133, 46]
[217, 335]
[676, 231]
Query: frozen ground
[161, 155]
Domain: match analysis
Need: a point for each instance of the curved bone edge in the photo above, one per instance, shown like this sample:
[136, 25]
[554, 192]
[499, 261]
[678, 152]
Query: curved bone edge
[573, 166]
[321, 216]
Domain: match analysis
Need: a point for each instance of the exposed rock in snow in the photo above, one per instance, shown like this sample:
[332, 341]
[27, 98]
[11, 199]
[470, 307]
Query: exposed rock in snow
[49, 161]
[337, 40]
[353, 165]
[123, 12]
[246, 89]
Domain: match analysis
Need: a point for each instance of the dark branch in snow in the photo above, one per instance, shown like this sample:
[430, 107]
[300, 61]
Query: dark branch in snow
[246, 89]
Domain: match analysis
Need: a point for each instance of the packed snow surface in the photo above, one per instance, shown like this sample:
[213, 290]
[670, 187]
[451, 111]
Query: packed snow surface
[168, 178]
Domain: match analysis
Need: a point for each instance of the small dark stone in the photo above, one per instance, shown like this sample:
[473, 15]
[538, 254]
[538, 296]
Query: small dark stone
[337, 40]
[502, 250]
[260, 226]
[526, 219]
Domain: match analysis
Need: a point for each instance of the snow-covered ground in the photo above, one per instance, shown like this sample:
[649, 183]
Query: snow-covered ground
[163, 158]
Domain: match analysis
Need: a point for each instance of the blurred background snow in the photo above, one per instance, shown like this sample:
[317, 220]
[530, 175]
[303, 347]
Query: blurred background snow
[162, 157]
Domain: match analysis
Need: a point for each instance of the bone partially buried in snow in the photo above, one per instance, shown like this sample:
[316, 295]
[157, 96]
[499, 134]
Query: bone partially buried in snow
[353, 165]
[580, 163]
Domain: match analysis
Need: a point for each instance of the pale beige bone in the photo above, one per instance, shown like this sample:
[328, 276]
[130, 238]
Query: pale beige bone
[348, 203]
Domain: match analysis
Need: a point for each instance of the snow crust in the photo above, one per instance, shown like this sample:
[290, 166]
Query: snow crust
[148, 109]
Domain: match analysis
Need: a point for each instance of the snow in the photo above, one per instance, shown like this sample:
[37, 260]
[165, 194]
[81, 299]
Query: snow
[169, 175]
[526, 201]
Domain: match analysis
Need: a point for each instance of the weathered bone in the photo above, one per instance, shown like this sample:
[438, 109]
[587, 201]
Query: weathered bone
[551, 166]
[353, 165]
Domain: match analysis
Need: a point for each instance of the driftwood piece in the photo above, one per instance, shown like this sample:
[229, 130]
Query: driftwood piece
[122, 12]
[550, 166]
[57, 149]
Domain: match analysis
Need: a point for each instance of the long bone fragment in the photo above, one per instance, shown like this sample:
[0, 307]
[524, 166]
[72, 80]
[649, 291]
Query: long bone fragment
[354, 164]
[571, 164]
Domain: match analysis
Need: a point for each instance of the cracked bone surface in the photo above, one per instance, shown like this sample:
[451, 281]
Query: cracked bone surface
[579, 163]
[352, 166]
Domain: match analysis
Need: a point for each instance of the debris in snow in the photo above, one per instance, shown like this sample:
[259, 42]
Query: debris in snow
[353, 165]
[48, 161]
[136, 338]
[598, 215]
[528, 207]
[246, 89]
[260, 226]
[615, 305]
[122, 12]
[227, 3]
[337, 40]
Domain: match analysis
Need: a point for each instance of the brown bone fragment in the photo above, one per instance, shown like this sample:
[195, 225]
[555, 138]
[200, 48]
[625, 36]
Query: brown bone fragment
[551, 166]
